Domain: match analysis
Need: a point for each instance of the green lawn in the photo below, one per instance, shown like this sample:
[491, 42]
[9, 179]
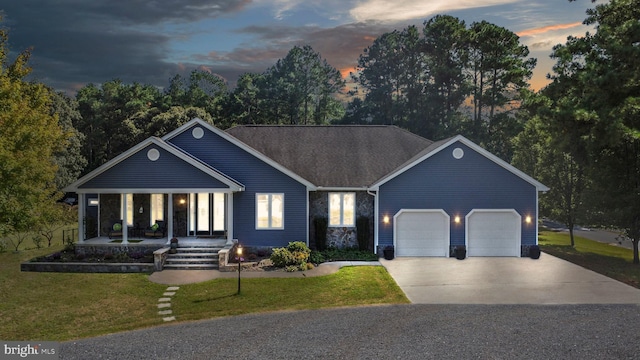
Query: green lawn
[351, 286]
[609, 260]
[58, 307]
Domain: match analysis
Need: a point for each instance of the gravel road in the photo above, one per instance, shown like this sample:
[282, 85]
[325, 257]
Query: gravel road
[387, 332]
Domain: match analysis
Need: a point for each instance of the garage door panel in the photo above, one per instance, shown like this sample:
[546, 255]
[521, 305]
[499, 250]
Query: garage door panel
[422, 233]
[493, 233]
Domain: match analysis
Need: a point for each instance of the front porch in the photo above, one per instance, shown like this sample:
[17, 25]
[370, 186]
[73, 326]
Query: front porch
[151, 218]
[192, 252]
[184, 241]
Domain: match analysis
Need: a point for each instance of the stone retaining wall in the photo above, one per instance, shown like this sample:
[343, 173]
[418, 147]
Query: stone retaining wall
[87, 267]
[115, 249]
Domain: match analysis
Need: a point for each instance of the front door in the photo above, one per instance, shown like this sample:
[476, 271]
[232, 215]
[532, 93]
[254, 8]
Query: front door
[206, 214]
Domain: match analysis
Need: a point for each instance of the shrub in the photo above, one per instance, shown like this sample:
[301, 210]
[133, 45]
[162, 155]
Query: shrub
[3, 245]
[37, 241]
[316, 257]
[333, 254]
[296, 254]
[281, 257]
[321, 225]
[362, 229]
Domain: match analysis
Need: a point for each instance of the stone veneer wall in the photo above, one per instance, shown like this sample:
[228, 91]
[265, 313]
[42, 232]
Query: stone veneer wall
[109, 211]
[340, 237]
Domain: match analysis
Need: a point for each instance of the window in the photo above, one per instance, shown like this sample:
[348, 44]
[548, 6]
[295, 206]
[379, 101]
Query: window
[157, 208]
[269, 211]
[218, 211]
[342, 209]
[128, 219]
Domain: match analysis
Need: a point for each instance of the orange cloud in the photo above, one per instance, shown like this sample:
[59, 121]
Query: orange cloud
[345, 72]
[544, 29]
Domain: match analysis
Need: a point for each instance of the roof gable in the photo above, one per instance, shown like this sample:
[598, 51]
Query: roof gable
[152, 166]
[338, 156]
[196, 122]
[443, 144]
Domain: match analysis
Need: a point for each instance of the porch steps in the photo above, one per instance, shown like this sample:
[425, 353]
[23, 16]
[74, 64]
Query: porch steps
[193, 258]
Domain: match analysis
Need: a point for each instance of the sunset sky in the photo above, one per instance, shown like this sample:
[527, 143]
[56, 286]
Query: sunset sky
[76, 42]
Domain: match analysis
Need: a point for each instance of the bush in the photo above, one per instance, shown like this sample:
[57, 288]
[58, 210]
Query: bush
[281, 257]
[3, 245]
[316, 257]
[333, 254]
[321, 225]
[296, 255]
[37, 241]
[362, 229]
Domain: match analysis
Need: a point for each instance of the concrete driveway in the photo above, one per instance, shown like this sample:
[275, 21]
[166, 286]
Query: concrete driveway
[494, 280]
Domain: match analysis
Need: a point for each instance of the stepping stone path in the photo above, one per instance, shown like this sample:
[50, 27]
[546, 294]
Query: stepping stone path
[164, 304]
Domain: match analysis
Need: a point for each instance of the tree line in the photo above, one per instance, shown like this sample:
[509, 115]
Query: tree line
[579, 135]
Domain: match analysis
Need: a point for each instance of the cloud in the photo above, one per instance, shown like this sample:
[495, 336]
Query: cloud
[402, 10]
[541, 45]
[340, 45]
[543, 38]
[77, 42]
[548, 28]
[285, 6]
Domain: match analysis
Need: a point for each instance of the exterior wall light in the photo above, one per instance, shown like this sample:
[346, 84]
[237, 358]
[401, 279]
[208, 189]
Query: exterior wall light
[528, 219]
[385, 219]
[239, 253]
[457, 219]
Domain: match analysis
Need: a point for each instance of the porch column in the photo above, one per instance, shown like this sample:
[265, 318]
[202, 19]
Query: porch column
[81, 215]
[125, 221]
[169, 218]
[229, 218]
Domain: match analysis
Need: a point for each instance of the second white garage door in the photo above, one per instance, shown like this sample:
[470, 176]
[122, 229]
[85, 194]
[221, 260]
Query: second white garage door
[421, 233]
[493, 233]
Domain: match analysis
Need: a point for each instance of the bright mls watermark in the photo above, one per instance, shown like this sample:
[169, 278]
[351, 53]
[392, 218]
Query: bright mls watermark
[29, 350]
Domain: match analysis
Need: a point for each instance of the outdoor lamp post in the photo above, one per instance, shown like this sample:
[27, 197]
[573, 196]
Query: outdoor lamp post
[239, 254]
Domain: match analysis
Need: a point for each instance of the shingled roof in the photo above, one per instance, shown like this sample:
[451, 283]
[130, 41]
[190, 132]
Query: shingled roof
[334, 156]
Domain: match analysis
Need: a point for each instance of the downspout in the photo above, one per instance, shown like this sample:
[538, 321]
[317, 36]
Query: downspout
[375, 221]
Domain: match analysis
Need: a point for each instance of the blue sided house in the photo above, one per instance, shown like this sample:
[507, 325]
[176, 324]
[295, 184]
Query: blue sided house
[329, 186]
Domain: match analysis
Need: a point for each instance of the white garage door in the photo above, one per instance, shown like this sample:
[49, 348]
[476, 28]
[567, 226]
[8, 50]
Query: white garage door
[493, 233]
[421, 233]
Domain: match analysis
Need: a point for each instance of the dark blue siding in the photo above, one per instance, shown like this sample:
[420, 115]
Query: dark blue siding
[258, 177]
[457, 186]
[168, 172]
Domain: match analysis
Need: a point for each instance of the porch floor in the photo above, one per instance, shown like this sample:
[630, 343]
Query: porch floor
[182, 241]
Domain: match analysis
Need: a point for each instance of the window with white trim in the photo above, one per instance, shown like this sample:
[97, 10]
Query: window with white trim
[157, 208]
[269, 211]
[342, 209]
